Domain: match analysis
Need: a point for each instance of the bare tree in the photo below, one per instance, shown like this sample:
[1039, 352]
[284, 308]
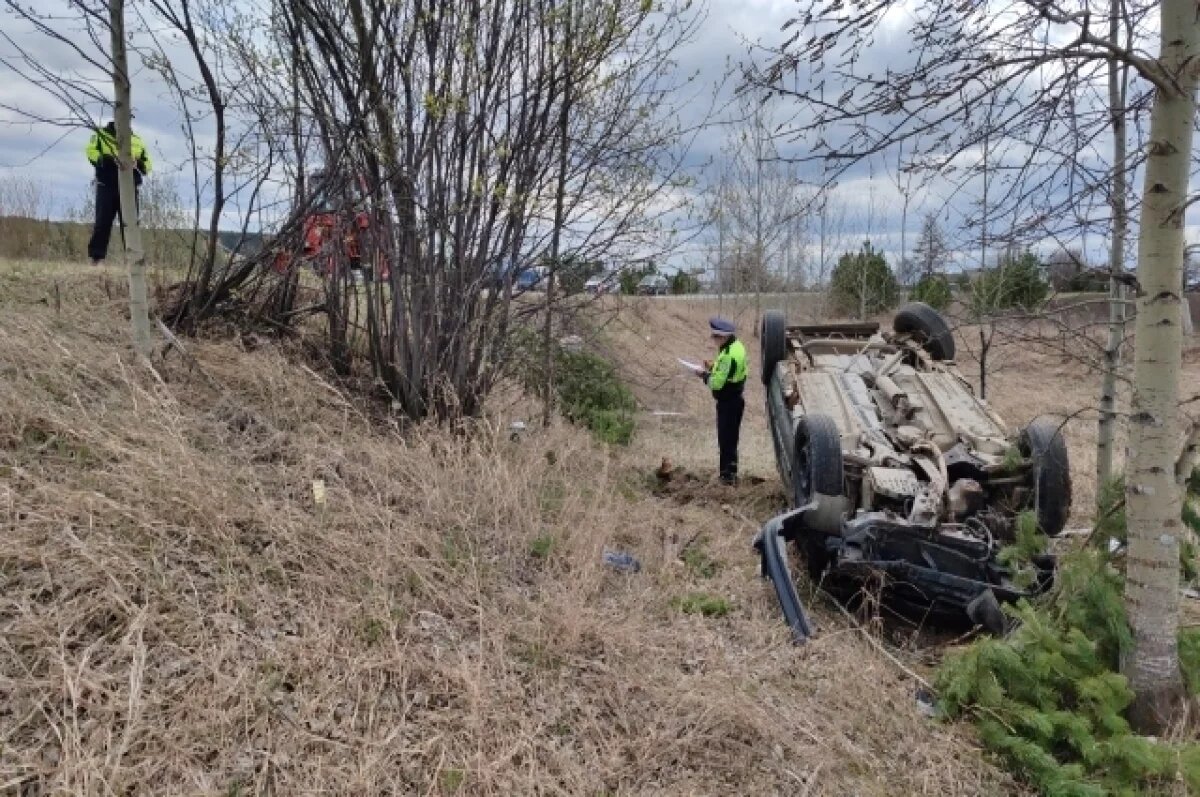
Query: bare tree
[135, 253]
[931, 252]
[147, 36]
[760, 198]
[479, 138]
[1118, 94]
[906, 271]
[104, 25]
[829, 220]
[179, 17]
[567, 44]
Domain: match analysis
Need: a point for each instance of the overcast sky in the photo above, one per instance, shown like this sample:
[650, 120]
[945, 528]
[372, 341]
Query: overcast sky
[53, 158]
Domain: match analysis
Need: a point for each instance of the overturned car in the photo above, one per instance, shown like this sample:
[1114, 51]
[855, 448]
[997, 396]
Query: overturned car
[897, 474]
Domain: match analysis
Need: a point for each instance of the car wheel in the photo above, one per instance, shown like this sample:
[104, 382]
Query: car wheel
[817, 472]
[1050, 477]
[772, 343]
[927, 325]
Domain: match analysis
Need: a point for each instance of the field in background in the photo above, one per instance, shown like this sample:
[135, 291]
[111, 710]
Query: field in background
[51, 243]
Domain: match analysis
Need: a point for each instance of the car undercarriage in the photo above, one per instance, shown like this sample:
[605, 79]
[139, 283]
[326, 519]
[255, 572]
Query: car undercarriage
[898, 475]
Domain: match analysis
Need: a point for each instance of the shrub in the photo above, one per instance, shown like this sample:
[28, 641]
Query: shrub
[934, 290]
[542, 546]
[590, 393]
[1087, 282]
[572, 273]
[1015, 284]
[1050, 698]
[682, 282]
[698, 562]
[704, 604]
[630, 277]
[587, 389]
[862, 283]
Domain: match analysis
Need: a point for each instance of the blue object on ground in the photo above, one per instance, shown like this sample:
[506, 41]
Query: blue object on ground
[621, 561]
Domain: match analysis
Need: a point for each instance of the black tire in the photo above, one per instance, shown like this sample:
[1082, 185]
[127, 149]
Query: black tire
[1042, 441]
[927, 325]
[817, 461]
[772, 343]
[817, 475]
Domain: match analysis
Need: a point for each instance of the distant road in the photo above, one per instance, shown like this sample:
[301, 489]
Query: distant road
[713, 297]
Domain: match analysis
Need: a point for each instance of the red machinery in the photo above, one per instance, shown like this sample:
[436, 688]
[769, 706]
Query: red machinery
[335, 217]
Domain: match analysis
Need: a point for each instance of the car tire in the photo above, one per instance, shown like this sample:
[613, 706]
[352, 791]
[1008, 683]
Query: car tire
[927, 325]
[772, 343]
[1042, 441]
[817, 472]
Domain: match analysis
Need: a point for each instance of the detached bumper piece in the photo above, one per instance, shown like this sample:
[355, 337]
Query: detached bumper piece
[947, 573]
[771, 544]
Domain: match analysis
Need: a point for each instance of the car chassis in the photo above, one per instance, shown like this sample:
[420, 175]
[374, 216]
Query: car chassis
[897, 474]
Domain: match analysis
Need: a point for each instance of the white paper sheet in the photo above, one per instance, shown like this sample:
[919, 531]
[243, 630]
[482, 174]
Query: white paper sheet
[695, 368]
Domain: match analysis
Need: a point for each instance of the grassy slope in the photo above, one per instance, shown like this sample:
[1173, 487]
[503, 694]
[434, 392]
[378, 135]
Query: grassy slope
[178, 615]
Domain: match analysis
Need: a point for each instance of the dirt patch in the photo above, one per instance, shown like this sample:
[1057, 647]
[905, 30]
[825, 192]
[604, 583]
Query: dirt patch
[753, 496]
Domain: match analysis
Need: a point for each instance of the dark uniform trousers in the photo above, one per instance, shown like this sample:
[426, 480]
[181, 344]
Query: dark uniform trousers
[108, 210]
[729, 425]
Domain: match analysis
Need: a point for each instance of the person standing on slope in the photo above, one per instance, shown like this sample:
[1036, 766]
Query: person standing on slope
[726, 378]
[104, 155]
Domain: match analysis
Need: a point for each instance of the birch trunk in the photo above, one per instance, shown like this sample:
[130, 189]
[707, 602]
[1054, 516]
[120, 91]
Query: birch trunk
[1153, 497]
[1106, 430]
[560, 194]
[135, 253]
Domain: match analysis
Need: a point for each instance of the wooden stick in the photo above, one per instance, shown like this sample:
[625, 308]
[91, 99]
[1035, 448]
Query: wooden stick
[175, 343]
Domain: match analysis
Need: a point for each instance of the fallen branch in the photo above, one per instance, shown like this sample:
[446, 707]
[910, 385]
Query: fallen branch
[319, 307]
[175, 343]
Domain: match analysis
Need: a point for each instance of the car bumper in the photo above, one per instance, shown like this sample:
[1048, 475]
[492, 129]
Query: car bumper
[929, 571]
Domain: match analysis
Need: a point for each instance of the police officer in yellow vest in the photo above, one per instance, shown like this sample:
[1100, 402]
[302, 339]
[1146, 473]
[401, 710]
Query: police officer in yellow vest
[726, 378]
[102, 153]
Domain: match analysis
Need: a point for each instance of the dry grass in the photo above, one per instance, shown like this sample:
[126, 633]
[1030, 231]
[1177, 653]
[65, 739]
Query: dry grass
[179, 615]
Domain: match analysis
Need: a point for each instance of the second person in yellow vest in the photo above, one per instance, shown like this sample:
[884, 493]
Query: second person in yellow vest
[102, 153]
